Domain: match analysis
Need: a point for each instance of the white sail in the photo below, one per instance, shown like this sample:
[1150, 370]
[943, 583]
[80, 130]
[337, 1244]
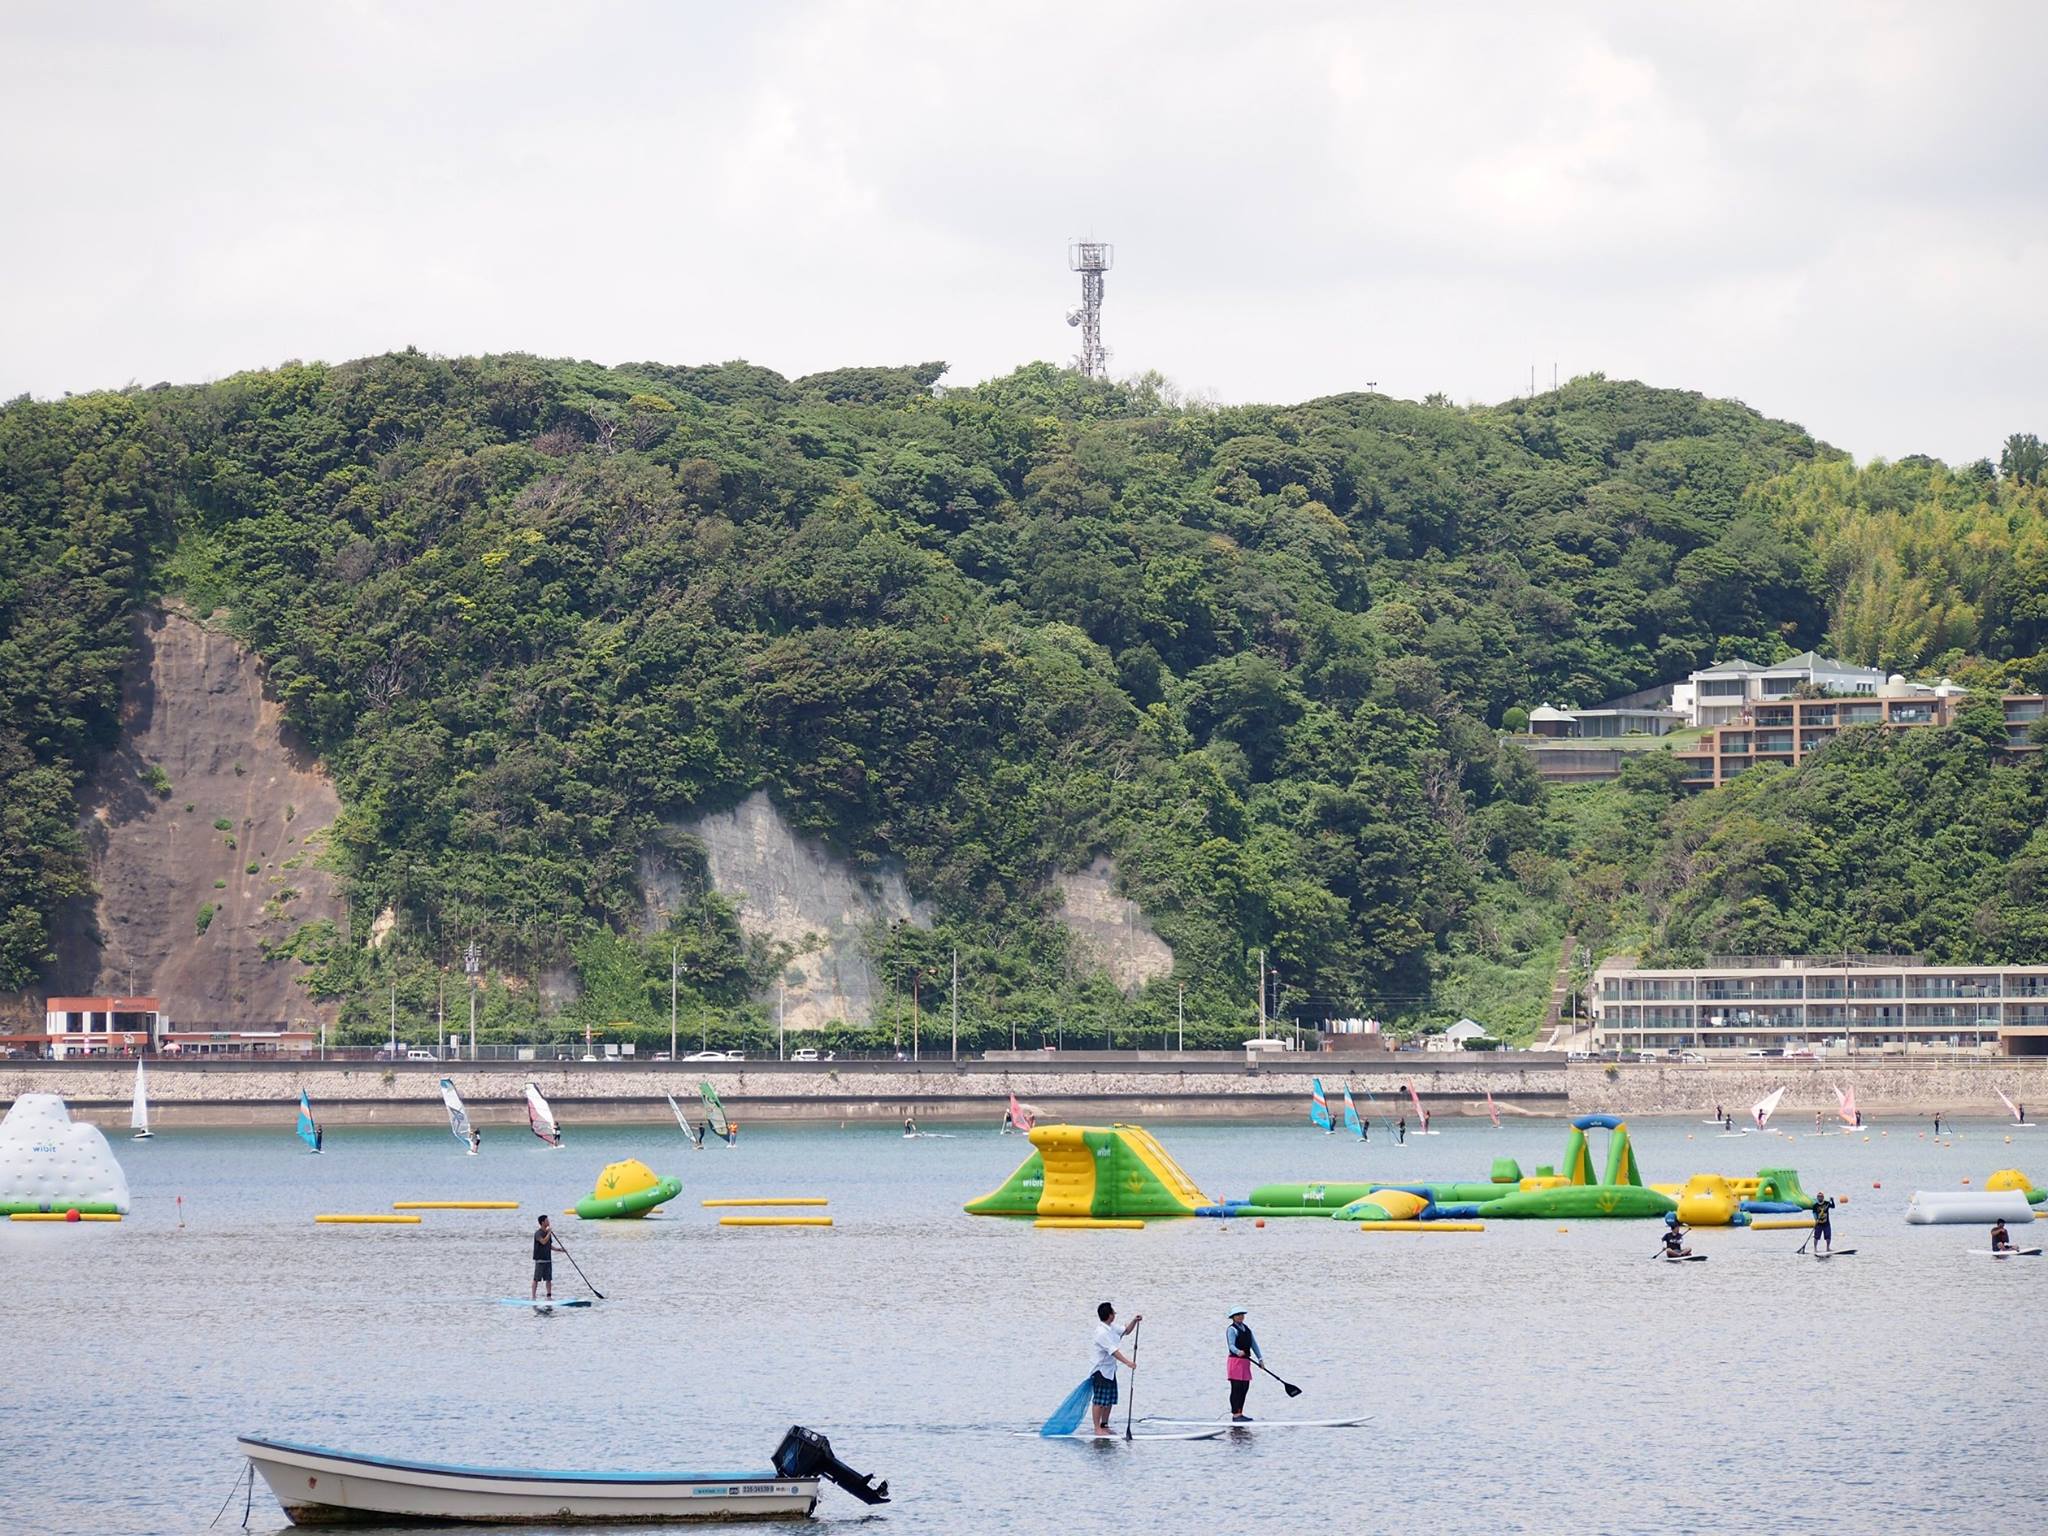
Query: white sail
[1762, 1110]
[138, 1109]
[682, 1119]
[541, 1118]
[458, 1117]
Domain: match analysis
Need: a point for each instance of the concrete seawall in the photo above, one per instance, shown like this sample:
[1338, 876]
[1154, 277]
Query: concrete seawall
[226, 1093]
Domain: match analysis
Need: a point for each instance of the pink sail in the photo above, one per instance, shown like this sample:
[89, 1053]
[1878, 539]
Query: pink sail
[1491, 1111]
[2017, 1118]
[1020, 1117]
[1420, 1113]
[1846, 1099]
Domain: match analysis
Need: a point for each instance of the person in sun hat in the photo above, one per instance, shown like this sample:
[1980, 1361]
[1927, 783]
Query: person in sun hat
[1243, 1349]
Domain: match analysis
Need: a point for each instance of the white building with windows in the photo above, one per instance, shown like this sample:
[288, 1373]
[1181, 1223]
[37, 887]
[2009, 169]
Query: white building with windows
[1723, 693]
[1876, 1004]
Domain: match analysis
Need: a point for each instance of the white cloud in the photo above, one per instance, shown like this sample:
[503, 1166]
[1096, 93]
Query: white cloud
[1832, 211]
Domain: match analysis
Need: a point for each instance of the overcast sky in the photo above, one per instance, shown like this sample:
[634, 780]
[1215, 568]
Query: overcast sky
[1834, 213]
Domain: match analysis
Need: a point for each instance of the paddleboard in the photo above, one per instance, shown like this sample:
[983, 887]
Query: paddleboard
[1683, 1258]
[1730, 1135]
[1270, 1423]
[1117, 1434]
[2010, 1253]
[544, 1304]
[1839, 1253]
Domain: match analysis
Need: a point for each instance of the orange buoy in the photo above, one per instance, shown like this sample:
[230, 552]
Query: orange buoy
[1875, 1185]
[72, 1214]
[1259, 1221]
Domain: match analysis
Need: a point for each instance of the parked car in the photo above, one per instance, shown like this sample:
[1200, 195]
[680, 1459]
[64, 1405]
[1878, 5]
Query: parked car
[1689, 1056]
[806, 1053]
[705, 1056]
[421, 1056]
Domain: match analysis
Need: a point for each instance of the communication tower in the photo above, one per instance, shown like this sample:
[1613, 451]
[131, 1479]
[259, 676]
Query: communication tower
[1090, 258]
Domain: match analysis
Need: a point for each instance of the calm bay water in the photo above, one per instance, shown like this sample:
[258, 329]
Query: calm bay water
[1524, 1379]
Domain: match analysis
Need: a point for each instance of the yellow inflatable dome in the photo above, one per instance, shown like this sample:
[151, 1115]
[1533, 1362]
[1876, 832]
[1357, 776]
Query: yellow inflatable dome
[630, 1188]
[2008, 1178]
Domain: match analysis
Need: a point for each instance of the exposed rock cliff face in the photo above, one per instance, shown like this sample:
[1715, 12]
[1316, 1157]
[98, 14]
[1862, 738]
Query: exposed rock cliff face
[794, 890]
[1109, 929]
[202, 744]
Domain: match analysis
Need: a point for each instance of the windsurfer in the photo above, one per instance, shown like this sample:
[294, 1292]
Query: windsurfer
[476, 1139]
[1237, 1370]
[544, 1245]
[1102, 1396]
[1401, 1129]
[909, 1126]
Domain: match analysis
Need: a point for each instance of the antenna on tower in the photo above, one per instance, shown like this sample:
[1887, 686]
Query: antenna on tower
[1090, 258]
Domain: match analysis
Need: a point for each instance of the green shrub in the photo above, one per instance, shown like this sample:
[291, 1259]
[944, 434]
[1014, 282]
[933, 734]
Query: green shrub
[222, 824]
[205, 918]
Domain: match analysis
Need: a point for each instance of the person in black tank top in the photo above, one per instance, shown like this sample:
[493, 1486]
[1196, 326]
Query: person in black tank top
[544, 1246]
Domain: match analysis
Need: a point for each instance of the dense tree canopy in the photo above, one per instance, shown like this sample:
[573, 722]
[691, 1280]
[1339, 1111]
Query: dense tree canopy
[535, 613]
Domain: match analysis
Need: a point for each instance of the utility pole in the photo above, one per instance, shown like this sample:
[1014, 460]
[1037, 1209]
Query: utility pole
[781, 995]
[956, 1002]
[1262, 994]
[394, 1021]
[913, 1015]
[440, 1018]
[471, 964]
[1180, 1016]
[675, 949]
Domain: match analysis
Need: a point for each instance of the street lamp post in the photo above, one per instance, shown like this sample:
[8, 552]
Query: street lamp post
[675, 952]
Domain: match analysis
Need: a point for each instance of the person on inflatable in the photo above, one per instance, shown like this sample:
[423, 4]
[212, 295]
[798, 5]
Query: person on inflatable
[1237, 1370]
[1823, 1226]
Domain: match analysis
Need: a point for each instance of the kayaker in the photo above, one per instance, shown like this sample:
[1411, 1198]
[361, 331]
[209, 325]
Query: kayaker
[1823, 1225]
[544, 1245]
[1107, 1357]
[2001, 1240]
[1237, 1370]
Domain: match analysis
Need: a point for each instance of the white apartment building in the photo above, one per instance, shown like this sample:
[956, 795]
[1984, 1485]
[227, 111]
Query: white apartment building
[1877, 1004]
[1723, 693]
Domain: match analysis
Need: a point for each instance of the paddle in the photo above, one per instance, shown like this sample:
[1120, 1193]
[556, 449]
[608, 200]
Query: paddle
[578, 1268]
[1292, 1389]
[1132, 1406]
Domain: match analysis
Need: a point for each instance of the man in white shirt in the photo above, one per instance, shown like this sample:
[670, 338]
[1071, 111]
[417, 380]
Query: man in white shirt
[1107, 1356]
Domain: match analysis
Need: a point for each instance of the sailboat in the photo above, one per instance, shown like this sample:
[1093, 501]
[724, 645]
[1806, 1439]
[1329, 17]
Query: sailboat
[2019, 1118]
[1351, 1121]
[1318, 1106]
[714, 1115]
[1420, 1113]
[1762, 1110]
[309, 1129]
[458, 1117]
[1492, 1113]
[696, 1136]
[1020, 1118]
[541, 1118]
[138, 1109]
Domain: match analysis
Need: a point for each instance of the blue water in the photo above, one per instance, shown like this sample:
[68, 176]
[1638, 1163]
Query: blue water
[1524, 1379]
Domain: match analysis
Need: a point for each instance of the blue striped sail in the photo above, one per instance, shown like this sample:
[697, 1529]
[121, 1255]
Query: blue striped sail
[1318, 1106]
[309, 1133]
[1351, 1120]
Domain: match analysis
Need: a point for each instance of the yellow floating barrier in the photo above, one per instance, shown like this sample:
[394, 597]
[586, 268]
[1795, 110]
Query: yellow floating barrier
[1423, 1226]
[368, 1221]
[772, 1200]
[775, 1221]
[1090, 1223]
[64, 1216]
[1781, 1224]
[455, 1205]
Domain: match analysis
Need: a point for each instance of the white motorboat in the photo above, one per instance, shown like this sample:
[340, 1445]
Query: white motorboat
[321, 1486]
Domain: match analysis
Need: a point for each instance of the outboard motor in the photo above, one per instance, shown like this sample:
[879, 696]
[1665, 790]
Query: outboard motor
[806, 1453]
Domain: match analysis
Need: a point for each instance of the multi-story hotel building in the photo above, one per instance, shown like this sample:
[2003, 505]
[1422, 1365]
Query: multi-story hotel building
[1785, 732]
[1889, 1004]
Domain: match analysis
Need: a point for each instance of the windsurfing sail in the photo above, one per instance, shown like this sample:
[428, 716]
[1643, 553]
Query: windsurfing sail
[458, 1117]
[1021, 1117]
[1762, 1110]
[1318, 1106]
[714, 1113]
[309, 1133]
[1420, 1113]
[1845, 1102]
[138, 1109]
[2017, 1117]
[1351, 1121]
[541, 1118]
[683, 1120]
[1492, 1113]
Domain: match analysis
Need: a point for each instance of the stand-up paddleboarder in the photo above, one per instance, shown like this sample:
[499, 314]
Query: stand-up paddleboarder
[1237, 1370]
[1107, 1357]
[545, 1243]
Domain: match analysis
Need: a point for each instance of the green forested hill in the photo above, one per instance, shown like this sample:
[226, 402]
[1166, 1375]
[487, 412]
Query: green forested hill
[534, 612]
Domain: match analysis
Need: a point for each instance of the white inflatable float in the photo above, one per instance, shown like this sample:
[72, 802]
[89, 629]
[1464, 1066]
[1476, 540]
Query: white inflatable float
[52, 1163]
[1974, 1207]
